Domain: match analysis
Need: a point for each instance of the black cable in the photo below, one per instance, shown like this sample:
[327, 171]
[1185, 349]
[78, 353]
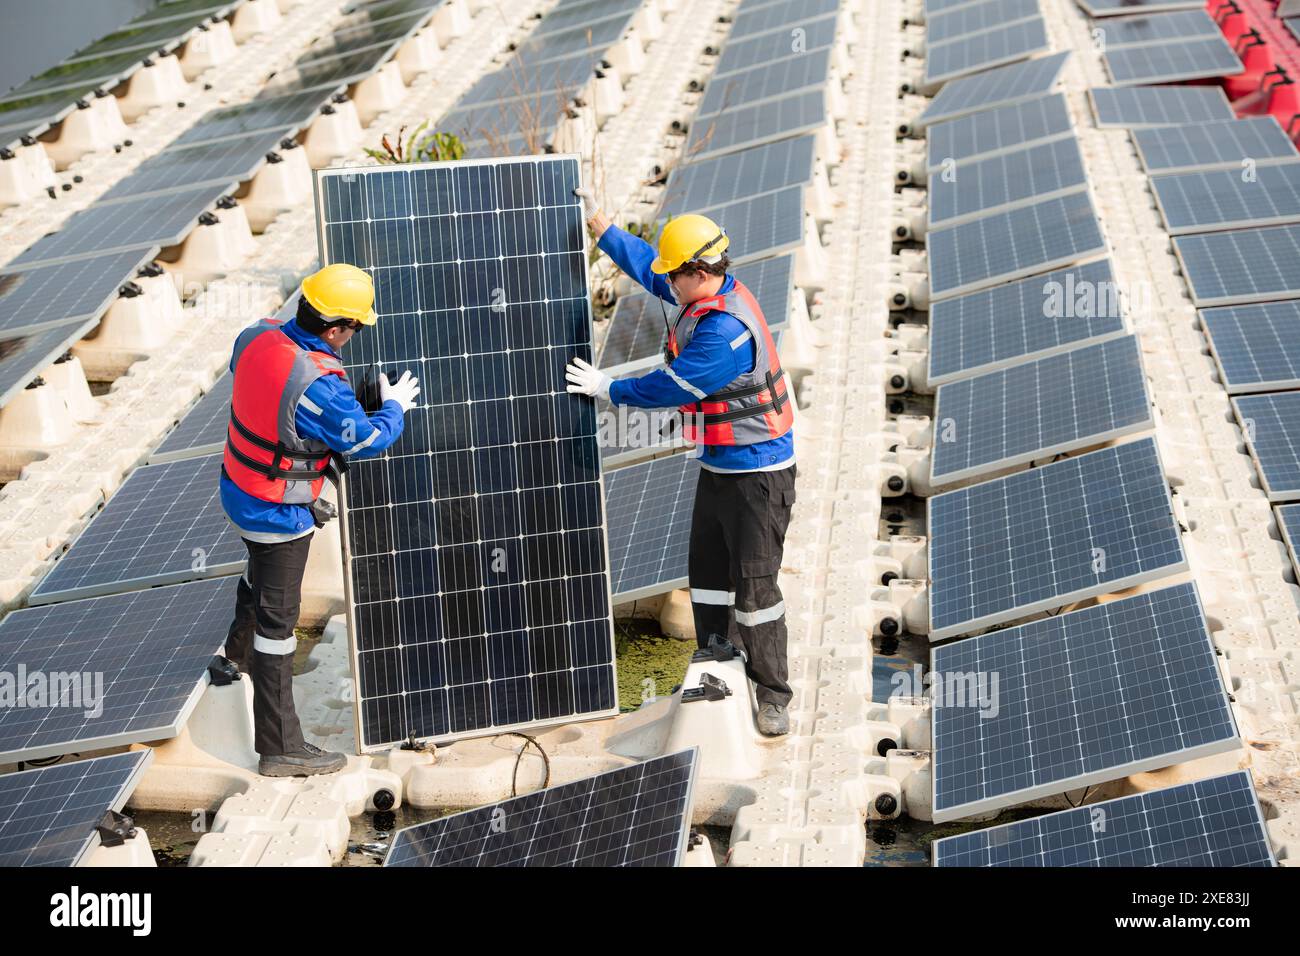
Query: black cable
[514, 776]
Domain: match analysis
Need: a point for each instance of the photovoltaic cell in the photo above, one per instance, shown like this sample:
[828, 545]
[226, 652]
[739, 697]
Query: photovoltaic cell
[1227, 144]
[37, 299]
[177, 170]
[754, 125]
[203, 429]
[975, 18]
[649, 508]
[1257, 347]
[1188, 59]
[1163, 27]
[1271, 426]
[1159, 106]
[1082, 698]
[1043, 538]
[982, 51]
[1001, 86]
[1245, 265]
[1012, 244]
[740, 175]
[48, 816]
[164, 525]
[1211, 200]
[287, 114]
[138, 223]
[1006, 181]
[1288, 520]
[1032, 318]
[1000, 130]
[808, 71]
[747, 53]
[1038, 409]
[1214, 822]
[151, 647]
[638, 815]
[475, 546]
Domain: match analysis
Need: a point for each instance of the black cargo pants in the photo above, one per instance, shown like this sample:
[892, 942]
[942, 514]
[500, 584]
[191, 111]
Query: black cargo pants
[737, 540]
[261, 639]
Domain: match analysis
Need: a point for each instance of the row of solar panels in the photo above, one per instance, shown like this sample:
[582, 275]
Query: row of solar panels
[56, 290]
[29, 110]
[1032, 360]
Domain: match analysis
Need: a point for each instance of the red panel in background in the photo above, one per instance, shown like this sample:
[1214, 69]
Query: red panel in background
[1271, 56]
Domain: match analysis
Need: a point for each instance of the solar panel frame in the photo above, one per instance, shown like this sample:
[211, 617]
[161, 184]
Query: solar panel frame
[153, 685]
[1000, 86]
[375, 690]
[966, 594]
[755, 125]
[740, 175]
[1190, 59]
[1177, 104]
[1288, 523]
[1038, 409]
[1270, 424]
[1215, 200]
[762, 84]
[1010, 180]
[162, 522]
[1256, 347]
[1143, 664]
[49, 815]
[1240, 266]
[1227, 144]
[984, 51]
[40, 298]
[981, 319]
[485, 824]
[649, 507]
[1065, 231]
[1173, 27]
[1073, 838]
[995, 132]
[974, 18]
[749, 52]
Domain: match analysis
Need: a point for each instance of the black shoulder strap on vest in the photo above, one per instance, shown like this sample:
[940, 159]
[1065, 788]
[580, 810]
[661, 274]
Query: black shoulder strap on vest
[281, 453]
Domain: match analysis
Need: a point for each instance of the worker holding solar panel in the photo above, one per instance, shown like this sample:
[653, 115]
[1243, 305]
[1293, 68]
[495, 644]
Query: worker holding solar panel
[723, 372]
[293, 418]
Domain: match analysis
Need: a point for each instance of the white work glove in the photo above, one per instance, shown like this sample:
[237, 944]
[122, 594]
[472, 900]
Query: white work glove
[403, 391]
[585, 379]
[590, 208]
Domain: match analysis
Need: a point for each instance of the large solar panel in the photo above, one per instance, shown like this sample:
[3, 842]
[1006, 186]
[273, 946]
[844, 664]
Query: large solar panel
[138, 223]
[1011, 244]
[752, 172]
[1211, 200]
[593, 38]
[764, 226]
[649, 508]
[287, 114]
[747, 53]
[977, 17]
[1246, 265]
[1257, 347]
[82, 77]
[566, 16]
[1110, 8]
[1288, 520]
[1163, 27]
[177, 170]
[554, 80]
[1271, 426]
[1032, 318]
[23, 355]
[982, 51]
[37, 299]
[475, 547]
[1038, 409]
[639, 815]
[163, 526]
[1227, 144]
[143, 39]
[1000, 130]
[1043, 538]
[369, 34]
[1214, 822]
[1159, 106]
[636, 332]
[754, 125]
[785, 15]
[134, 665]
[809, 71]
[182, 9]
[327, 73]
[1006, 181]
[203, 429]
[1188, 59]
[1001, 86]
[48, 816]
[1081, 698]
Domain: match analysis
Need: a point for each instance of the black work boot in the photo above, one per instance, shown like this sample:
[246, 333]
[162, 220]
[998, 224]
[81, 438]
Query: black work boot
[773, 720]
[302, 763]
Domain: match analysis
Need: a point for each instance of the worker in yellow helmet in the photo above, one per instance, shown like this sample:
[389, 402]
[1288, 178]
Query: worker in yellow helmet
[723, 372]
[293, 413]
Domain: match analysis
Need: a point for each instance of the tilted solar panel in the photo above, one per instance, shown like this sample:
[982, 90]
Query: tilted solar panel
[1226, 144]
[747, 53]
[1216, 199]
[786, 15]
[1006, 181]
[1042, 538]
[1244, 265]
[649, 507]
[1271, 426]
[1188, 59]
[1001, 86]
[285, 113]
[1110, 8]
[1080, 698]
[740, 175]
[975, 18]
[983, 51]
[1134, 108]
[176, 170]
[780, 78]
[754, 125]
[996, 131]
[1257, 347]
[37, 299]
[203, 429]
[1288, 520]
[1162, 27]
[475, 547]
[25, 354]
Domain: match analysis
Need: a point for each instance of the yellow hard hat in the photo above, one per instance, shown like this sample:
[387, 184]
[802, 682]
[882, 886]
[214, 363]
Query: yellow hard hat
[341, 291]
[686, 238]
